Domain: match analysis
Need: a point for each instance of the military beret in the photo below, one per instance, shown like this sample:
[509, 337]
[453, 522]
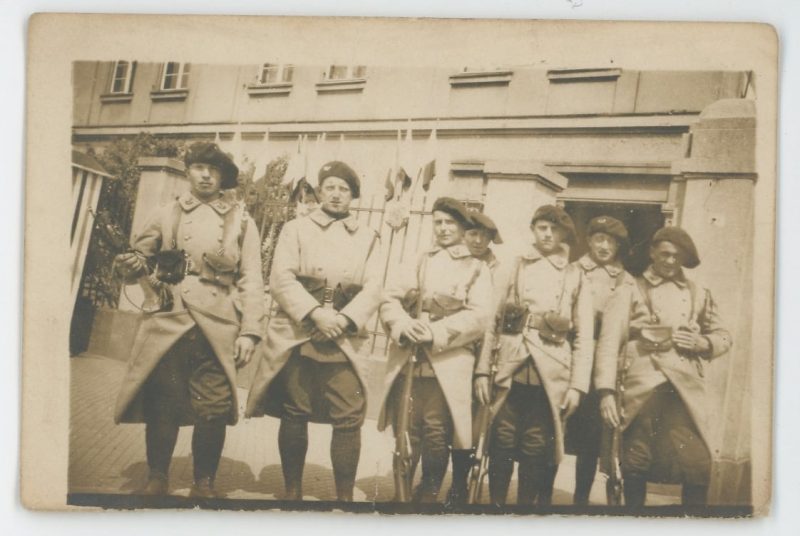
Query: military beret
[481, 220]
[559, 217]
[610, 226]
[209, 153]
[456, 209]
[344, 172]
[681, 240]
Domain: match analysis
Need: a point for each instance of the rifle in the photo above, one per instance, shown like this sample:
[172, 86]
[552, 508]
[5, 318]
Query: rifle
[480, 464]
[403, 460]
[614, 482]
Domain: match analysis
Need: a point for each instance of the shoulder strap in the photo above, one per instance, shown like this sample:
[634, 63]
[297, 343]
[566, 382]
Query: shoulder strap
[177, 212]
[645, 291]
[515, 282]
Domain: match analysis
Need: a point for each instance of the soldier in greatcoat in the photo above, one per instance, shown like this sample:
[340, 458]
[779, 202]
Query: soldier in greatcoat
[667, 327]
[326, 285]
[478, 239]
[454, 293]
[545, 360]
[183, 362]
[603, 271]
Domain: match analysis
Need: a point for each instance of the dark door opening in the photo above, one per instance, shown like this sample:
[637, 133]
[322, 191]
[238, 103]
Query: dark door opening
[641, 220]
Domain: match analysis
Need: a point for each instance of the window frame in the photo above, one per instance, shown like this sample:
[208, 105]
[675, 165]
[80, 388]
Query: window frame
[128, 79]
[181, 77]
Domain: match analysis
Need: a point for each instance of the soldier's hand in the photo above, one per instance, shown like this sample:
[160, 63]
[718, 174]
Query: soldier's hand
[243, 350]
[129, 263]
[482, 390]
[690, 341]
[317, 336]
[422, 331]
[608, 410]
[326, 322]
[571, 401]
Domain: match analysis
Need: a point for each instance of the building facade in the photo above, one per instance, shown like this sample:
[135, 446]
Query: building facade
[649, 147]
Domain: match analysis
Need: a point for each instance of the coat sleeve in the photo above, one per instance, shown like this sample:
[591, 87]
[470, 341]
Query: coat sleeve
[613, 334]
[250, 284]
[470, 323]
[583, 344]
[148, 241]
[391, 308]
[366, 302]
[712, 328]
[502, 284]
[287, 291]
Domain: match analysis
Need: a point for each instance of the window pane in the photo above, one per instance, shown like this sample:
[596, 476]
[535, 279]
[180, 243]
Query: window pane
[359, 71]
[119, 82]
[268, 73]
[185, 77]
[288, 72]
[337, 72]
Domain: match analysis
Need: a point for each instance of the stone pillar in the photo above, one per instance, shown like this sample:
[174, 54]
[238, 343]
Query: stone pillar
[717, 210]
[515, 189]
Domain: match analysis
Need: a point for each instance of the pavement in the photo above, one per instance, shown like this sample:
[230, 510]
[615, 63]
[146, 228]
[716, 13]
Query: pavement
[106, 458]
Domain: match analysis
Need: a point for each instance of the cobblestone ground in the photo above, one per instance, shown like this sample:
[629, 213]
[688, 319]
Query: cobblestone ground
[109, 458]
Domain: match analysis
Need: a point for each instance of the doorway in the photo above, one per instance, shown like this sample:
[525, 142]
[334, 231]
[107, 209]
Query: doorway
[641, 220]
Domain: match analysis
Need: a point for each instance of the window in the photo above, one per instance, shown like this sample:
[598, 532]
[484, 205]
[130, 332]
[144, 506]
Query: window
[272, 73]
[346, 72]
[176, 76]
[122, 76]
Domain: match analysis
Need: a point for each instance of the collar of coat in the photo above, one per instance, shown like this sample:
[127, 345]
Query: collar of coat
[456, 251]
[489, 258]
[189, 202]
[323, 219]
[588, 264]
[559, 259]
[655, 280]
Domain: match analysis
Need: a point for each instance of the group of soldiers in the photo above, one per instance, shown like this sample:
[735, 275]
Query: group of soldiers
[517, 363]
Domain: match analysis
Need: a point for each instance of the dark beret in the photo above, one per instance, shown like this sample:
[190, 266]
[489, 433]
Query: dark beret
[559, 217]
[209, 153]
[456, 209]
[481, 220]
[681, 240]
[610, 226]
[344, 172]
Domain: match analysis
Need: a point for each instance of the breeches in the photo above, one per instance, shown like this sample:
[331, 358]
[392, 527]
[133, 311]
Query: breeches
[188, 383]
[663, 443]
[326, 392]
[430, 423]
[524, 423]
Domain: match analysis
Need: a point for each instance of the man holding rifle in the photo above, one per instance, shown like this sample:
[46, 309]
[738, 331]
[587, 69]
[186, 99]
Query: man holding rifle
[325, 282]
[544, 362]
[433, 317]
[667, 327]
[602, 269]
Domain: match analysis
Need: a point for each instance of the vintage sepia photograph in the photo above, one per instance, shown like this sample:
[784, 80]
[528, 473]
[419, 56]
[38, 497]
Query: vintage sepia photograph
[315, 283]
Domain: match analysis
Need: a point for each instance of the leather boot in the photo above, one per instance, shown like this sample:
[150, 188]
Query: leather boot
[293, 445]
[203, 489]
[462, 463]
[501, 467]
[345, 452]
[157, 484]
[208, 439]
[634, 489]
[585, 470]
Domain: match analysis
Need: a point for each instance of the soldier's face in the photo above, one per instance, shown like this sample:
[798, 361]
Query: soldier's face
[335, 196]
[446, 229]
[477, 241]
[547, 236]
[666, 258]
[205, 180]
[603, 248]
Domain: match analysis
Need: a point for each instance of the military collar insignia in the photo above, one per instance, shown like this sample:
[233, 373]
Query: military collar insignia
[189, 202]
[559, 259]
[323, 219]
[655, 280]
[588, 264]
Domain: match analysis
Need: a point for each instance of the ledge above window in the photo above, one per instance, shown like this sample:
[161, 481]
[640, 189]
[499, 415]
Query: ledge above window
[116, 97]
[583, 75]
[279, 89]
[349, 85]
[482, 78]
[169, 94]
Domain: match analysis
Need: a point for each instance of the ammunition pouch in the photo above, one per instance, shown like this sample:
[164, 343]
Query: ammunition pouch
[655, 338]
[409, 302]
[218, 269]
[170, 266]
[515, 319]
[554, 328]
[442, 305]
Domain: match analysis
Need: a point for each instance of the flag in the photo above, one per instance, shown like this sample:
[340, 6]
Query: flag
[389, 186]
[404, 179]
[428, 173]
[295, 167]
